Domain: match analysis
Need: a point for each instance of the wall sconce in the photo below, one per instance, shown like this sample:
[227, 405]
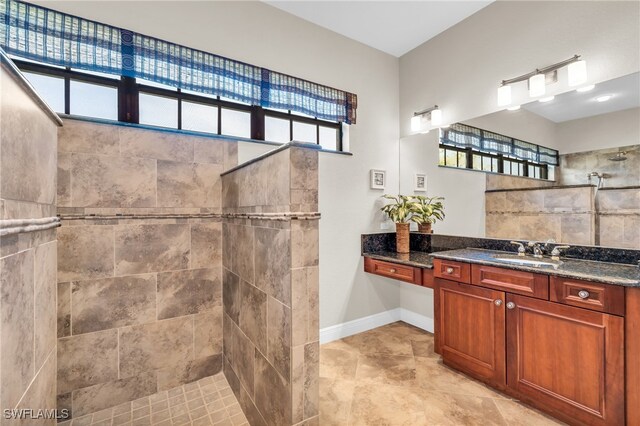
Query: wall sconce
[577, 74]
[433, 114]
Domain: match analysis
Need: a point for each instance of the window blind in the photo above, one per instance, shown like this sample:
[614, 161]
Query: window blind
[45, 35]
[464, 136]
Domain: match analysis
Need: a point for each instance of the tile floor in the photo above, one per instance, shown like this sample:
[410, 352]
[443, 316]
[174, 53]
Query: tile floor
[391, 376]
[208, 401]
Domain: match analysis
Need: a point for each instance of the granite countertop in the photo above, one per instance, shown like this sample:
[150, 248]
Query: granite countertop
[419, 259]
[603, 272]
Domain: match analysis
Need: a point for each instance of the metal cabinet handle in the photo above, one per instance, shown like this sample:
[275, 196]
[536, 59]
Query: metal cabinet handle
[583, 294]
[498, 302]
[393, 271]
[511, 305]
[449, 270]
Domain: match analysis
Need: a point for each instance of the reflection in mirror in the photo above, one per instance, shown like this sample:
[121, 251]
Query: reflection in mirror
[588, 195]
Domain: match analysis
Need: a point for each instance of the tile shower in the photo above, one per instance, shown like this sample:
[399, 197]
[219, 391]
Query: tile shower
[169, 270]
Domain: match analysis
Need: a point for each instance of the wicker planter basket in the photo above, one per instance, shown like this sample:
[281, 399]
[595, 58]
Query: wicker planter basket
[425, 228]
[402, 237]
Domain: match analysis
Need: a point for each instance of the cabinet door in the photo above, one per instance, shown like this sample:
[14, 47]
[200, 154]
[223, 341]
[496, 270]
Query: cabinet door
[566, 360]
[472, 330]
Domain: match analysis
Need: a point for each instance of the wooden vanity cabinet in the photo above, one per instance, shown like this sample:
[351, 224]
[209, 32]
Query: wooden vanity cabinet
[560, 358]
[566, 360]
[470, 330]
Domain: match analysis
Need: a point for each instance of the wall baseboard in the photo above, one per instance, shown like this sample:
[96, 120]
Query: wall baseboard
[360, 325]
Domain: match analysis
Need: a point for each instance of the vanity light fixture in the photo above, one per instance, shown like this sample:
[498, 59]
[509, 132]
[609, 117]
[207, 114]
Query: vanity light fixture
[537, 79]
[547, 99]
[603, 98]
[586, 88]
[433, 114]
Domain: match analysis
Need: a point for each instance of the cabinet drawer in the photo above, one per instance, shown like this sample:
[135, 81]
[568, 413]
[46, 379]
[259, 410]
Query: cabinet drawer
[585, 294]
[396, 271]
[517, 282]
[450, 270]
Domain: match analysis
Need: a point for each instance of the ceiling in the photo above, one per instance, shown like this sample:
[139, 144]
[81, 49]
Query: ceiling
[624, 92]
[395, 27]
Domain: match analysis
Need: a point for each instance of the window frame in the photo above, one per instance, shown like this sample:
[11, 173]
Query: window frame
[129, 90]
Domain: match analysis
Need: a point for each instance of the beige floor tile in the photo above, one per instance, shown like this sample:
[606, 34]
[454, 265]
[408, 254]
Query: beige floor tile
[336, 396]
[446, 409]
[381, 341]
[387, 405]
[387, 370]
[516, 414]
[338, 363]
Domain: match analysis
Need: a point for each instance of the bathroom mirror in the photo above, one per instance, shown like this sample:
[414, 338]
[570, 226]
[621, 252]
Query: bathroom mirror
[565, 168]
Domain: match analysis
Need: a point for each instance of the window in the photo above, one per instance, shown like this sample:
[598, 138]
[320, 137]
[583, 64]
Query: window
[472, 148]
[98, 95]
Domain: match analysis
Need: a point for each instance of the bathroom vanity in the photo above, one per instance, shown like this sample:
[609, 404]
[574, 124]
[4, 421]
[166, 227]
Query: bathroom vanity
[562, 336]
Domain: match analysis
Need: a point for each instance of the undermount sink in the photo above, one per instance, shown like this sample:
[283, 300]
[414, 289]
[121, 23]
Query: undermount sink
[536, 263]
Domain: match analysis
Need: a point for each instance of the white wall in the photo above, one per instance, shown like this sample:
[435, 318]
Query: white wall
[265, 36]
[612, 130]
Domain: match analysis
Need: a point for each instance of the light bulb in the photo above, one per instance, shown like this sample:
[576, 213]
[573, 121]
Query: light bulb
[436, 117]
[504, 95]
[547, 99]
[577, 73]
[603, 98]
[416, 123]
[537, 85]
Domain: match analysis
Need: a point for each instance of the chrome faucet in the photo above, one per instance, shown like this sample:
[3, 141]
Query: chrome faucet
[521, 249]
[537, 251]
[555, 254]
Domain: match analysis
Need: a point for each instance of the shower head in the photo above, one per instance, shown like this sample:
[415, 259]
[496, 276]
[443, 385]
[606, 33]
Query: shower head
[620, 156]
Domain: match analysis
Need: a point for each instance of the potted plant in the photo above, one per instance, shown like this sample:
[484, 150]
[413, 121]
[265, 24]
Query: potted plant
[426, 211]
[400, 211]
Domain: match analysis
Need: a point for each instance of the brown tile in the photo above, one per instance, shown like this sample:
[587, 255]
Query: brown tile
[336, 396]
[113, 302]
[85, 252]
[248, 407]
[157, 345]
[230, 154]
[337, 363]
[253, 315]
[17, 326]
[151, 248]
[189, 184]
[383, 369]
[311, 379]
[231, 295]
[101, 181]
[238, 250]
[89, 138]
[304, 243]
[273, 263]
[189, 371]
[109, 394]
[452, 409]
[155, 144]
[207, 333]
[380, 342]
[207, 150]
[272, 393]
[41, 393]
[188, 292]
[239, 351]
[516, 414]
[64, 180]
[396, 405]
[206, 245]
[64, 309]
[304, 169]
[87, 359]
[45, 261]
[278, 324]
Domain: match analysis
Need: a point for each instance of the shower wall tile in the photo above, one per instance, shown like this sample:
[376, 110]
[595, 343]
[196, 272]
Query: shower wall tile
[575, 167]
[188, 292]
[154, 284]
[85, 252]
[154, 346]
[188, 184]
[42, 392]
[98, 397]
[146, 248]
[270, 288]
[87, 359]
[106, 181]
[113, 302]
[155, 144]
[45, 291]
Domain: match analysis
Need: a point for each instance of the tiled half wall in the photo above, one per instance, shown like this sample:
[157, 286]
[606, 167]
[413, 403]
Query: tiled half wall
[270, 280]
[139, 262]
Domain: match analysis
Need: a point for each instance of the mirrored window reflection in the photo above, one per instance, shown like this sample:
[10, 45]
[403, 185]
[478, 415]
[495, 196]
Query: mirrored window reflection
[93, 100]
[328, 138]
[303, 132]
[276, 130]
[158, 110]
[51, 89]
[199, 117]
[236, 123]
